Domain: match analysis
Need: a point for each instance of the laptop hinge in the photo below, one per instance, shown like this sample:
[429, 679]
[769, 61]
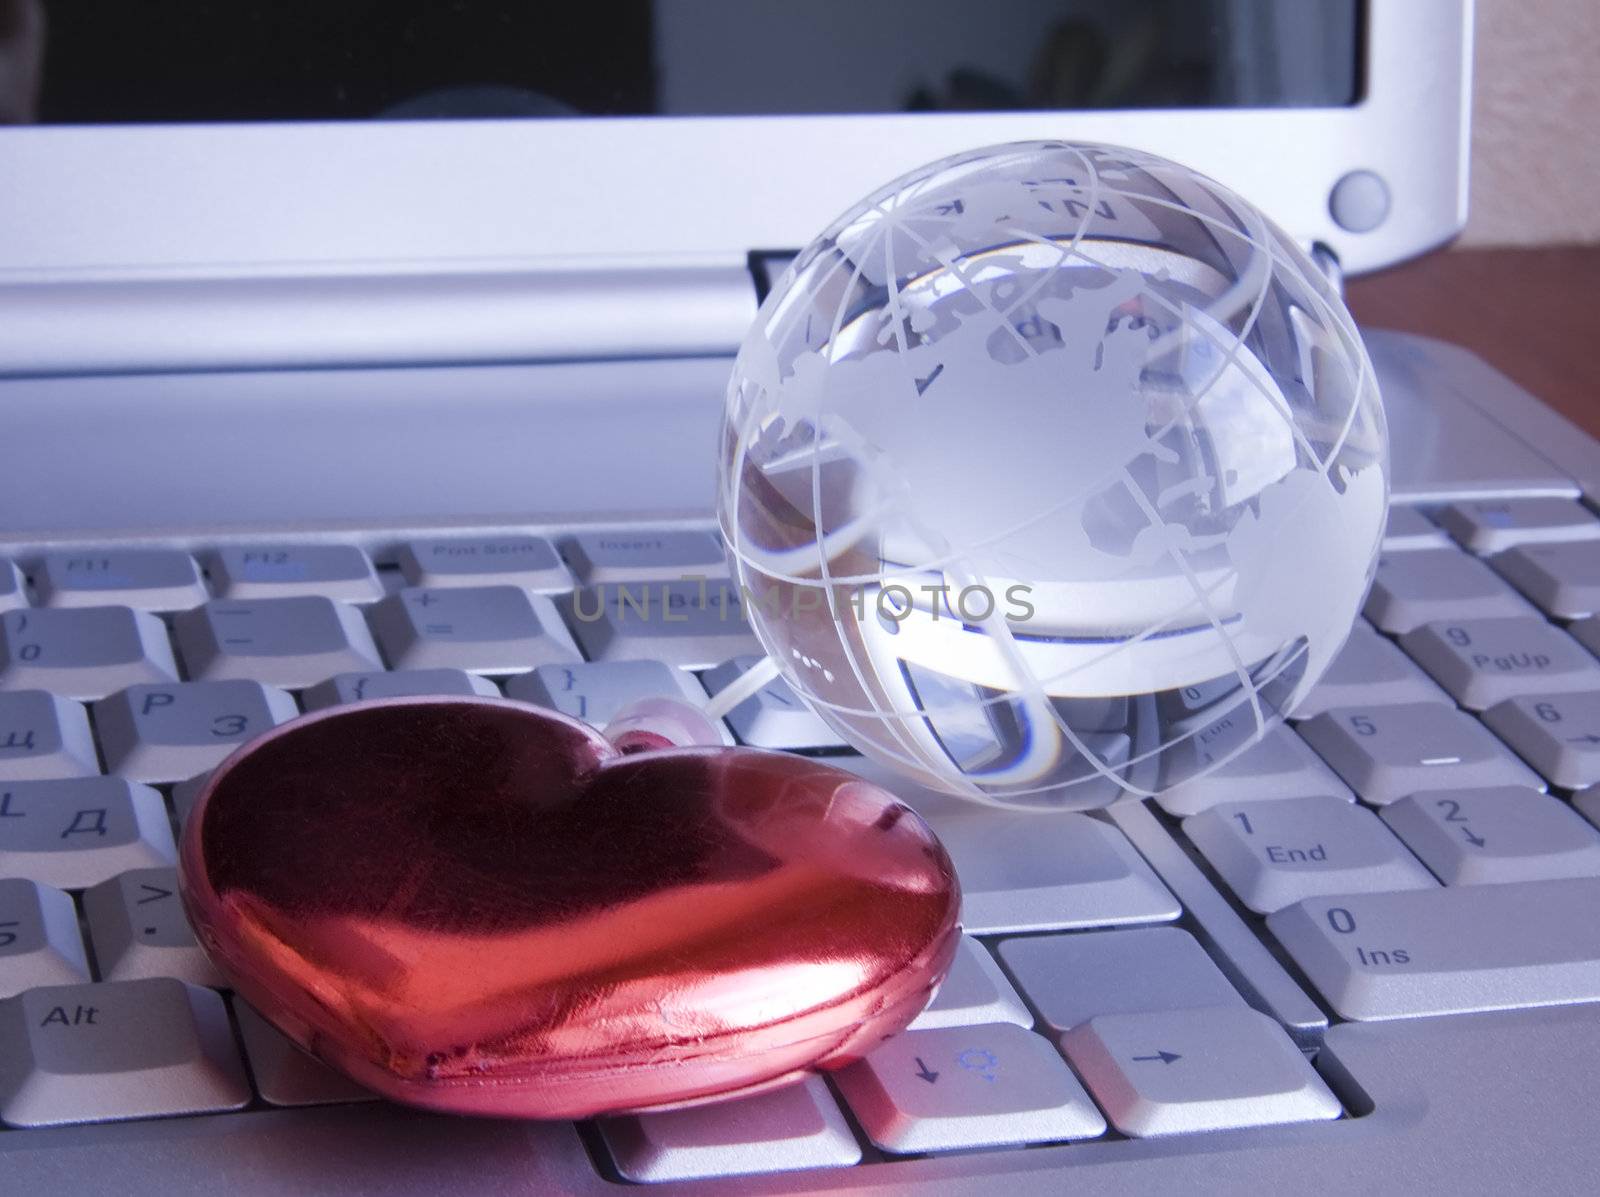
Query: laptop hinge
[411, 318]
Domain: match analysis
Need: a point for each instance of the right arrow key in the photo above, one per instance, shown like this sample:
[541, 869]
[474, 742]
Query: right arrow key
[1186, 1071]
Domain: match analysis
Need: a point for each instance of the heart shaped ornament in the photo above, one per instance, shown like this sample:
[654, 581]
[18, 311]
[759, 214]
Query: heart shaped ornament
[483, 907]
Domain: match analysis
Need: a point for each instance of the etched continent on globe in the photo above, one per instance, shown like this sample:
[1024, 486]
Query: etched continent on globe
[1053, 472]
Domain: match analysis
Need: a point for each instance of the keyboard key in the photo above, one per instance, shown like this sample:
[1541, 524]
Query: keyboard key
[335, 571]
[1490, 525]
[691, 625]
[1564, 579]
[1279, 766]
[1408, 528]
[185, 794]
[1275, 853]
[1480, 837]
[83, 653]
[1388, 752]
[288, 642]
[124, 1049]
[162, 734]
[594, 691]
[796, 1127]
[1073, 978]
[145, 579]
[526, 561]
[1414, 588]
[599, 557]
[12, 594]
[39, 941]
[1587, 633]
[773, 717]
[1451, 950]
[1177, 1072]
[1022, 871]
[1369, 671]
[961, 1087]
[78, 832]
[484, 629]
[44, 736]
[974, 991]
[1483, 661]
[138, 929]
[409, 683]
[1558, 734]
[285, 1075]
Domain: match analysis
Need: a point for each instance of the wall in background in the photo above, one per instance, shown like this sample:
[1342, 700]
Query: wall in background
[1536, 123]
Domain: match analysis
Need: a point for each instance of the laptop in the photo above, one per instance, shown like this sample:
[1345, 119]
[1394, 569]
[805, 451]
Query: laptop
[309, 309]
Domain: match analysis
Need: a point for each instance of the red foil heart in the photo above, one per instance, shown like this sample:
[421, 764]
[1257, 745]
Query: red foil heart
[483, 907]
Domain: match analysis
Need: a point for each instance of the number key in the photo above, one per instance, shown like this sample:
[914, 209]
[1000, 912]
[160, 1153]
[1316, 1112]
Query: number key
[1481, 661]
[1509, 833]
[1558, 734]
[11, 591]
[85, 652]
[1386, 753]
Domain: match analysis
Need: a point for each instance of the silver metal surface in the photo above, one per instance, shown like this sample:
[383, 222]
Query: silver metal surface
[78, 832]
[43, 736]
[286, 570]
[1186, 1071]
[160, 734]
[1450, 950]
[147, 579]
[974, 991]
[138, 929]
[526, 561]
[1490, 525]
[1369, 671]
[1558, 734]
[951, 1088]
[1505, 833]
[354, 687]
[39, 940]
[1412, 588]
[1280, 766]
[1275, 853]
[287, 642]
[1073, 978]
[1386, 753]
[1564, 579]
[1485, 661]
[798, 1127]
[83, 653]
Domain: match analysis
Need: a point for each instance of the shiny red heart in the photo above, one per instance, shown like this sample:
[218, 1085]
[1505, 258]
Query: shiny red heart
[479, 906]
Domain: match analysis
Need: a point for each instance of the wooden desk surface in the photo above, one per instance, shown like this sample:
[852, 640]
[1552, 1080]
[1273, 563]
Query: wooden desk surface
[1533, 314]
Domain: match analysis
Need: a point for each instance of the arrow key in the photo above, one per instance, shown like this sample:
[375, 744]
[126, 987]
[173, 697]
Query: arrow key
[138, 929]
[1504, 833]
[995, 1085]
[1187, 1071]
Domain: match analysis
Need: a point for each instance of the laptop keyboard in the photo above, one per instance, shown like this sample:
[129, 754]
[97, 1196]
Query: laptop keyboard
[1419, 840]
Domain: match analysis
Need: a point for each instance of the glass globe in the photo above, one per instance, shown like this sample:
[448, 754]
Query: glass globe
[1051, 473]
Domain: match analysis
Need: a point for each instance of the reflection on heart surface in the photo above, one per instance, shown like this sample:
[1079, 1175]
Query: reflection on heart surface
[480, 906]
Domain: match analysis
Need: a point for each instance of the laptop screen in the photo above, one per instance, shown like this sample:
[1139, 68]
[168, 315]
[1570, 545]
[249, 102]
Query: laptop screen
[158, 61]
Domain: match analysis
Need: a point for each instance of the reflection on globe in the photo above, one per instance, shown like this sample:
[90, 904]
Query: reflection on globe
[1053, 472]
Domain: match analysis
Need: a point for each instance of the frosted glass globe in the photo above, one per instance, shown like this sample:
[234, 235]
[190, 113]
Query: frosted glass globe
[1053, 472]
